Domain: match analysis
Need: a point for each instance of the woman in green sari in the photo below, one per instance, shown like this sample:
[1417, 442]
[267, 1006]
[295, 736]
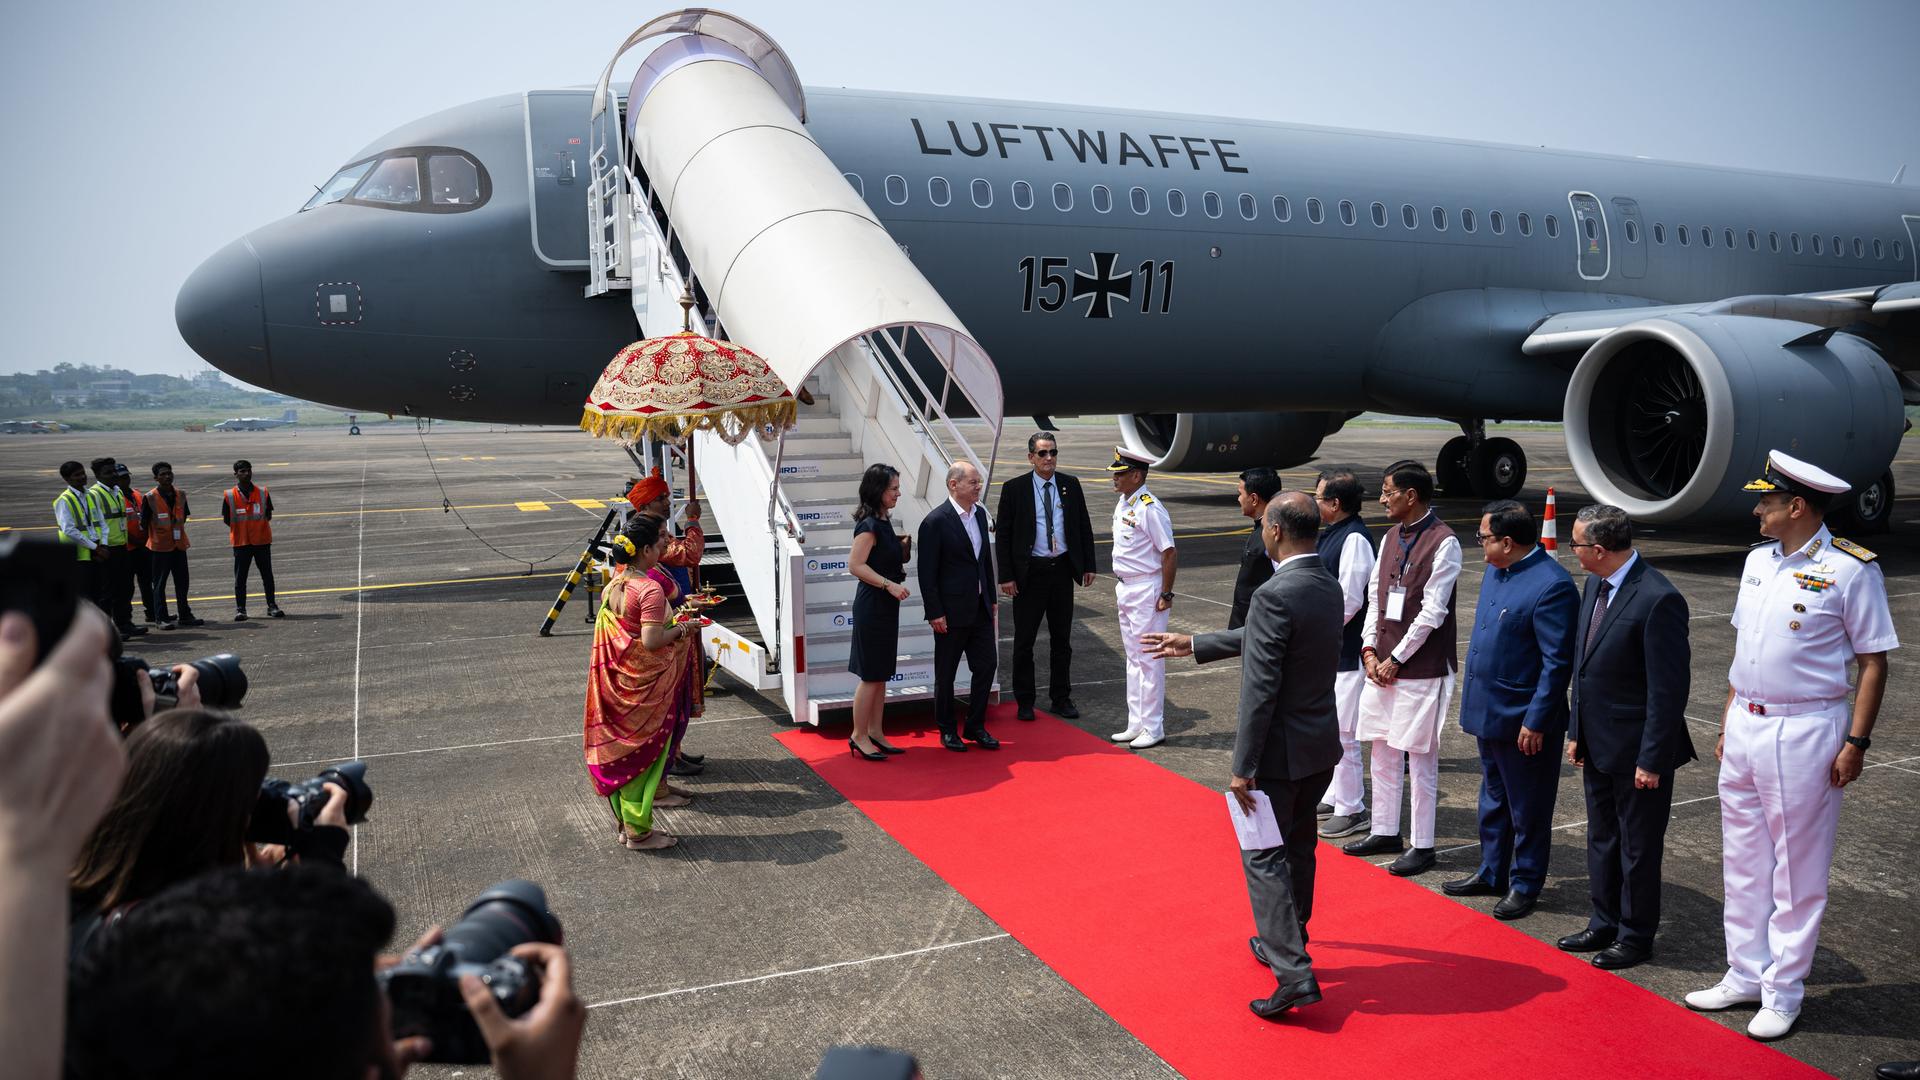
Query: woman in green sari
[635, 686]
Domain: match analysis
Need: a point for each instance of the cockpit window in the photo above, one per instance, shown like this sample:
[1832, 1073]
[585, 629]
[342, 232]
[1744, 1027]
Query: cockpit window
[453, 179]
[455, 182]
[338, 187]
[394, 182]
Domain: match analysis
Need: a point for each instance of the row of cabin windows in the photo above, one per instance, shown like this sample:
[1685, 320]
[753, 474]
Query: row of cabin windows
[1836, 246]
[940, 193]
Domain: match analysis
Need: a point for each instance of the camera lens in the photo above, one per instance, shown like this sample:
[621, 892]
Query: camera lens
[222, 683]
[352, 775]
[511, 913]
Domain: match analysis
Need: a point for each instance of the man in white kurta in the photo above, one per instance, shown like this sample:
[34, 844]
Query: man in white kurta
[1809, 604]
[1143, 569]
[1410, 628]
[1346, 549]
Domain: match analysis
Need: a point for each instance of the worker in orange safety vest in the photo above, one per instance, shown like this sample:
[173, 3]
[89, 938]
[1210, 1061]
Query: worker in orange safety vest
[248, 509]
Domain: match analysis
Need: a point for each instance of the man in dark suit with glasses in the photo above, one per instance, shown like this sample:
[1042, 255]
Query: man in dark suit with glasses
[1045, 541]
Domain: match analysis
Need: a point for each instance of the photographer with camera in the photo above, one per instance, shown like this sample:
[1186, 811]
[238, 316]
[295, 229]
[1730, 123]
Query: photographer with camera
[60, 761]
[195, 799]
[246, 973]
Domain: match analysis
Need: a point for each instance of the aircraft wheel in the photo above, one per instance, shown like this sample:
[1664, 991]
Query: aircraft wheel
[354, 430]
[1450, 469]
[1866, 511]
[1498, 468]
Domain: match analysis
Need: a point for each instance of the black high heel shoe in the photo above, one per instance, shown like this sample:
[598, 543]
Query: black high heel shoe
[857, 752]
[888, 750]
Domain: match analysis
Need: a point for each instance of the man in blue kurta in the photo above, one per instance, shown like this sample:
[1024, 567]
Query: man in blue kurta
[1514, 701]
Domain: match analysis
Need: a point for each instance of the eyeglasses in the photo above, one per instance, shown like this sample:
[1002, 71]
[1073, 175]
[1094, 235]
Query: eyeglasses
[1487, 538]
[1325, 499]
[1577, 547]
[1388, 493]
[1045, 453]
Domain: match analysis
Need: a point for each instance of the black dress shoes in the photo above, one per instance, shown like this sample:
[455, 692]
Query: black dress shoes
[1416, 861]
[1472, 886]
[952, 742]
[697, 759]
[1374, 844]
[1515, 905]
[1622, 955]
[985, 741]
[1025, 713]
[1064, 709]
[1588, 940]
[683, 767]
[1897, 1070]
[1259, 951]
[1285, 998]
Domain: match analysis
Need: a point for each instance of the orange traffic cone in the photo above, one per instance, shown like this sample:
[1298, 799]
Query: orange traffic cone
[1548, 531]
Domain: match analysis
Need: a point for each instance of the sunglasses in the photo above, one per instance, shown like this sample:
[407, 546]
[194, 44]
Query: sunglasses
[1045, 453]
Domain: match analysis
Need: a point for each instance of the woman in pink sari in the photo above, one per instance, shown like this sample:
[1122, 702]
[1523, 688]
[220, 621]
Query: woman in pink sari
[637, 693]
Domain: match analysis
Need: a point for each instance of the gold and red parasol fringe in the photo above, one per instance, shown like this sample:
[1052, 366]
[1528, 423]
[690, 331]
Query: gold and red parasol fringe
[733, 425]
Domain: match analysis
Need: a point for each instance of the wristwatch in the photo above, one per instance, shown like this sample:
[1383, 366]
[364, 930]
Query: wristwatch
[1860, 741]
[1167, 596]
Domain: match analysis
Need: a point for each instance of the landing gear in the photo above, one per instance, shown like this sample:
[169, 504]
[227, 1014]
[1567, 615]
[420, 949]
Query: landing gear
[1451, 468]
[1472, 464]
[1867, 510]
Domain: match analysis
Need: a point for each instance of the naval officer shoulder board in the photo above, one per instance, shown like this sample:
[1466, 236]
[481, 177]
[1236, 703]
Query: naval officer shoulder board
[1853, 549]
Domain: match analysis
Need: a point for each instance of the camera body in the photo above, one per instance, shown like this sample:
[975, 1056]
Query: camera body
[424, 988]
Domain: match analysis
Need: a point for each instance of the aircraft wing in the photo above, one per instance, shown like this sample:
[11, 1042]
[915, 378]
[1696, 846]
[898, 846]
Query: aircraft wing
[1577, 330]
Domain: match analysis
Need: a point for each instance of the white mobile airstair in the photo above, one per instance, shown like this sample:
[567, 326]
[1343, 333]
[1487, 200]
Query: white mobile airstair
[708, 185]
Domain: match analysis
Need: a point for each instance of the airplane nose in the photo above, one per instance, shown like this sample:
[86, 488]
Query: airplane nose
[222, 316]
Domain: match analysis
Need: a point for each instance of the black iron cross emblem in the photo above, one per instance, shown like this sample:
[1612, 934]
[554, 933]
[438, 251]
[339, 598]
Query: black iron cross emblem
[1102, 285]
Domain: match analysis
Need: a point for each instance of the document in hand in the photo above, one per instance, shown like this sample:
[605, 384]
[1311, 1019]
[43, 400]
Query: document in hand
[1258, 830]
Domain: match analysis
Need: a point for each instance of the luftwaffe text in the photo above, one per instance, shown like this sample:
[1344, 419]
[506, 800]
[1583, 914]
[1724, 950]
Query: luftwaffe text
[976, 139]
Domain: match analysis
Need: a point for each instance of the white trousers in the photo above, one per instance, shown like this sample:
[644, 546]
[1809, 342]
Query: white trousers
[1348, 793]
[1779, 816]
[1386, 791]
[1146, 677]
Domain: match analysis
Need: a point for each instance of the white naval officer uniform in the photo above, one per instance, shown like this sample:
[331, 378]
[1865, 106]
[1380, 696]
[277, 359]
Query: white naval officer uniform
[1801, 617]
[1141, 532]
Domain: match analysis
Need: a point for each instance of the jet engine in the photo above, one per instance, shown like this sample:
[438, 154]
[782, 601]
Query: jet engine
[1669, 417]
[1227, 442]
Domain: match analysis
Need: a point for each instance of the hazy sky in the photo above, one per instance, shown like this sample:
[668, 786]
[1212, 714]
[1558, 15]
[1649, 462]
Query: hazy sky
[143, 137]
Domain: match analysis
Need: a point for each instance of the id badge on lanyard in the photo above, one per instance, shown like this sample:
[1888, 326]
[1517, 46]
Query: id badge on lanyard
[1396, 603]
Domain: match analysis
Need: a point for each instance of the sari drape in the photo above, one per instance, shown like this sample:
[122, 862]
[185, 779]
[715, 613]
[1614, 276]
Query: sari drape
[635, 696]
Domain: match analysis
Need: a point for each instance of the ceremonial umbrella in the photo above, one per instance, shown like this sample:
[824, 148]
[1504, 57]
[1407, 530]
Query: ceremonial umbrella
[668, 387]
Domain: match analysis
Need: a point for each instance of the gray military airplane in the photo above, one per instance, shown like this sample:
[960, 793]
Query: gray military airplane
[258, 423]
[1235, 290]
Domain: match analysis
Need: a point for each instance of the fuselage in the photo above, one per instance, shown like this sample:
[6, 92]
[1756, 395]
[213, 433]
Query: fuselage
[1109, 261]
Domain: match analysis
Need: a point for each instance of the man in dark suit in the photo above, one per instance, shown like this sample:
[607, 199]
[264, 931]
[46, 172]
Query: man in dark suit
[1258, 486]
[1045, 542]
[1514, 702]
[956, 589]
[1289, 736]
[1628, 732]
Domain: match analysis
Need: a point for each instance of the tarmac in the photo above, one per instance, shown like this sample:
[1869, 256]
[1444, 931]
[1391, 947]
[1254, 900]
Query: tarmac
[786, 922]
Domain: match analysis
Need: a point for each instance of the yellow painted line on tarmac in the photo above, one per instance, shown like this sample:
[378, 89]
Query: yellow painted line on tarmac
[392, 585]
[275, 464]
[532, 507]
[279, 515]
[589, 504]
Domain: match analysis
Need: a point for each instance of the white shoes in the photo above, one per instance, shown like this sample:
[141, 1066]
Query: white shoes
[1720, 997]
[1128, 735]
[1146, 740]
[1772, 1023]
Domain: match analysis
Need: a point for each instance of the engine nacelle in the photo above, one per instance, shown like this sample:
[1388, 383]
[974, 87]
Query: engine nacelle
[1667, 418]
[1226, 442]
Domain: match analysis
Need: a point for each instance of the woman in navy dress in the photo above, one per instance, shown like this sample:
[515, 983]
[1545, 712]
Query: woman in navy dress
[878, 562]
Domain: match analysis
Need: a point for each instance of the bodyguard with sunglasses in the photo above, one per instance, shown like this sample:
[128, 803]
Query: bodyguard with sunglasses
[1045, 539]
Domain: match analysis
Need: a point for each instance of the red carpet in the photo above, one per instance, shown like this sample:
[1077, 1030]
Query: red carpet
[1125, 879]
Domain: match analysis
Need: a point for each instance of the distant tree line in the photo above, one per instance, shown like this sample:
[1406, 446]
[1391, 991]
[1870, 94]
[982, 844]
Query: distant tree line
[76, 386]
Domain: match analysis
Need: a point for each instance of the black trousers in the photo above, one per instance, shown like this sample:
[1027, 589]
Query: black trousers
[142, 563]
[170, 564]
[260, 554]
[115, 583]
[1046, 594]
[1280, 879]
[1626, 837]
[975, 642]
[93, 570]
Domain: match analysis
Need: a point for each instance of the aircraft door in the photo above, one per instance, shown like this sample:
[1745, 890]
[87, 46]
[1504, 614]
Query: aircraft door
[1633, 246]
[1590, 233]
[557, 174]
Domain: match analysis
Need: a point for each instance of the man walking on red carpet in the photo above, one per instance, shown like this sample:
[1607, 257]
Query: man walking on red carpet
[1289, 737]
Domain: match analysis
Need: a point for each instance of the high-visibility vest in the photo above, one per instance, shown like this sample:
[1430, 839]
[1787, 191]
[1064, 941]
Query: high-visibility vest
[136, 532]
[169, 530]
[247, 524]
[112, 508]
[82, 510]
